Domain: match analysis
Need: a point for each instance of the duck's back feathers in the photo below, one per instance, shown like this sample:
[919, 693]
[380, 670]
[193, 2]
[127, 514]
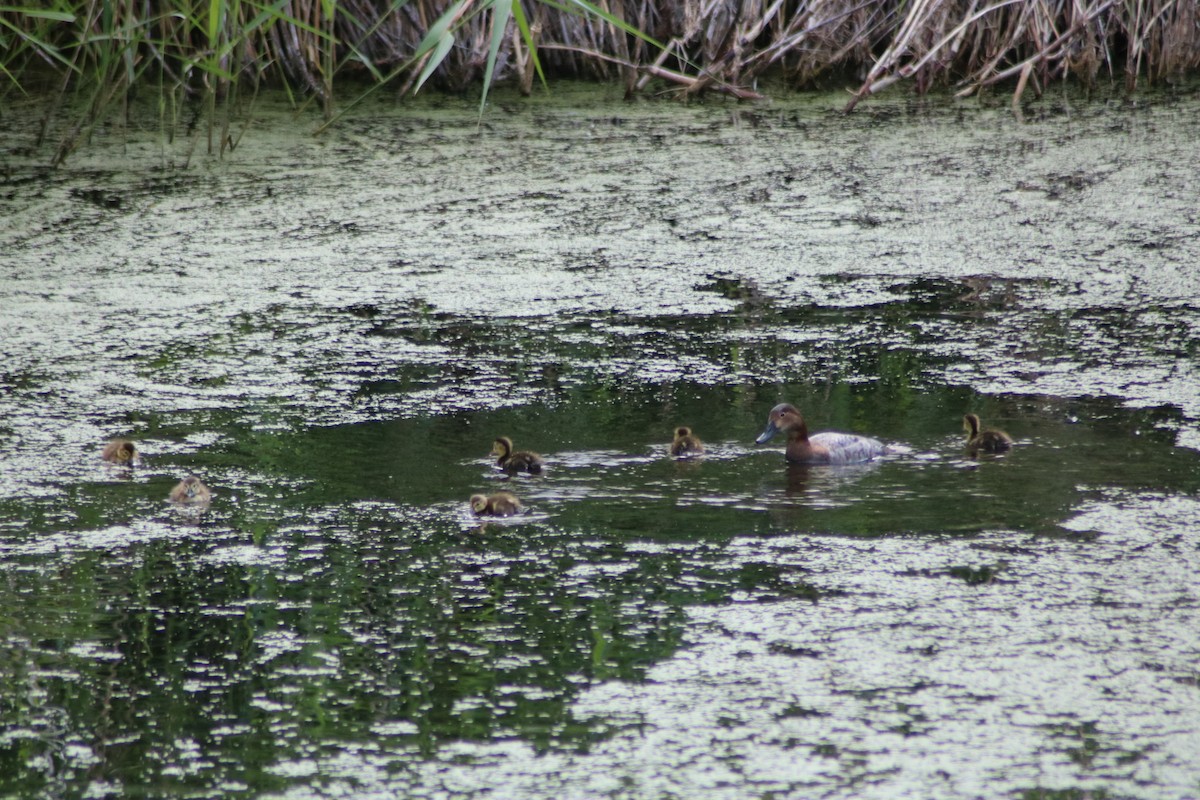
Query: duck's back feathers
[500, 504]
[991, 442]
[686, 443]
[515, 460]
[987, 440]
[121, 451]
[524, 461]
[842, 448]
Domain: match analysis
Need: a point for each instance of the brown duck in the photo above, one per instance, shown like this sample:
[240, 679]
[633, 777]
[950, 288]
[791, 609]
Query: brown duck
[500, 504]
[121, 451]
[989, 440]
[829, 447]
[515, 461]
[686, 443]
[190, 491]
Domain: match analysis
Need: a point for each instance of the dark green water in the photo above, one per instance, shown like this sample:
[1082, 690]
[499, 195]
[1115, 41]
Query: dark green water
[335, 355]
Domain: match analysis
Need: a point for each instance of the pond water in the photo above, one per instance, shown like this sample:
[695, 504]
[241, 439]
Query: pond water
[331, 331]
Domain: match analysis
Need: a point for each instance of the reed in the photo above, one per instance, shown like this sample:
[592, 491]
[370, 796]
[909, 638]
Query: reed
[98, 52]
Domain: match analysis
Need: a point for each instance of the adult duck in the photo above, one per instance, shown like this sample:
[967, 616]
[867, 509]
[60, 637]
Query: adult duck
[686, 443]
[989, 440]
[821, 448]
[500, 504]
[512, 460]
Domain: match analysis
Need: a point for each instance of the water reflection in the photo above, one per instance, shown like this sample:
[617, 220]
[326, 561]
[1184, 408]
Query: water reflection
[821, 485]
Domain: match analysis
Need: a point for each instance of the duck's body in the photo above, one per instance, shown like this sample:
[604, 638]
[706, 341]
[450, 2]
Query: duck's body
[121, 451]
[500, 504]
[190, 492]
[821, 448]
[686, 443]
[515, 460]
[988, 440]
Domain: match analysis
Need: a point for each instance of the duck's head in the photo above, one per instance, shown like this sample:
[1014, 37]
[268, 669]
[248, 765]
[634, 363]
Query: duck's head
[478, 503]
[682, 432]
[502, 446]
[784, 418]
[192, 485]
[971, 424]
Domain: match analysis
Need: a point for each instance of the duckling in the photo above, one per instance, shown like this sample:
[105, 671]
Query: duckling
[519, 461]
[500, 504]
[988, 440]
[190, 491]
[821, 448]
[121, 451]
[686, 443]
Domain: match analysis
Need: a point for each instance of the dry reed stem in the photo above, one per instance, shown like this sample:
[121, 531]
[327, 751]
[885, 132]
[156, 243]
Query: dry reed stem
[722, 45]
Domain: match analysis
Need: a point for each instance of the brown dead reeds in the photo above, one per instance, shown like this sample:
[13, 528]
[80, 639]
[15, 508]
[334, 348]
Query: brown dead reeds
[207, 48]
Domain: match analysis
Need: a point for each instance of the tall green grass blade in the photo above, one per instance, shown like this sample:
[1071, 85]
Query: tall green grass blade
[214, 22]
[438, 29]
[13, 80]
[501, 11]
[274, 15]
[40, 45]
[130, 65]
[439, 39]
[37, 13]
[530, 44]
[354, 51]
[590, 9]
[439, 55]
[358, 55]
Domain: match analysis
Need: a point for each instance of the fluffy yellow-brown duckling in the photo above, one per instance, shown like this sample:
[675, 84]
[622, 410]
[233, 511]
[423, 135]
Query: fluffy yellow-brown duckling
[190, 491]
[515, 461]
[500, 504]
[121, 451]
[989, 440]
[686, 443]
[829, 447]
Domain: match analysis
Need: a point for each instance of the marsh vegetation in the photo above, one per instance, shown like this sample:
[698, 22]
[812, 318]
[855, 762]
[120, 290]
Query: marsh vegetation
[91, 58]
